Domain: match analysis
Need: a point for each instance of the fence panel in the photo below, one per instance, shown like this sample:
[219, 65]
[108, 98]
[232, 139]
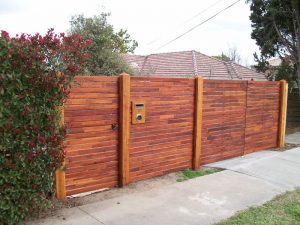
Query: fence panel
[92, 143]
[165, 142]
[223, 128]
[263, 105]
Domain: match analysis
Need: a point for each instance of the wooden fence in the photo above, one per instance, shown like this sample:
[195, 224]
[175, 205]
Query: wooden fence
[293, 111]
[188, 122]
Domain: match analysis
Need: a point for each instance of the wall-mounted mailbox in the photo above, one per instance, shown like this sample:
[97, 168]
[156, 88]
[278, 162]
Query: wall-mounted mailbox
[138, 112]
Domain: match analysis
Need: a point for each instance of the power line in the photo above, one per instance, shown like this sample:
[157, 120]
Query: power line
[190, 19]
[203, 11]
[193, 28]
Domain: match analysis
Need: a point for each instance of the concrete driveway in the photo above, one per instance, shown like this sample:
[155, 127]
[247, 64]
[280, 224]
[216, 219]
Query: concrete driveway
[293, 138]
[248, 181]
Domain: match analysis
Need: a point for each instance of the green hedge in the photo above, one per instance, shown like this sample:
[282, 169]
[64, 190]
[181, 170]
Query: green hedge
[35, 75]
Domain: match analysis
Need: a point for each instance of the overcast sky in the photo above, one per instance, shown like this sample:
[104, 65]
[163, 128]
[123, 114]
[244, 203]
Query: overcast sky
[152, 23]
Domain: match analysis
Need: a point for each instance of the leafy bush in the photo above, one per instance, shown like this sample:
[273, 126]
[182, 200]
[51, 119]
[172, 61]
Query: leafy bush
[35, 75]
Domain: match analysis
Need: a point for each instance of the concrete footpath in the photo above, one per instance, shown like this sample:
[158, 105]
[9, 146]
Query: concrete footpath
[247, 181]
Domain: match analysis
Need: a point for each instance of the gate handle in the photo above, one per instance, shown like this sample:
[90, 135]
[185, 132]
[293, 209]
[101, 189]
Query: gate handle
[113, 126]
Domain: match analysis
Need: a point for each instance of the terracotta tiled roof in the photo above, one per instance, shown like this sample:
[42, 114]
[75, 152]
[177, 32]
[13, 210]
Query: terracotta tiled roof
[190, 63]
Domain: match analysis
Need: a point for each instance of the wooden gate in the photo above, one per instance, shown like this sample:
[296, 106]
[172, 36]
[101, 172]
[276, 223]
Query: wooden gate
[91, 114]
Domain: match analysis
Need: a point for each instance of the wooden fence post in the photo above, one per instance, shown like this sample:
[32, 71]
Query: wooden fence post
[124, 93]
[197, 122]
[60, 173]
[282, 114]
[245, 150]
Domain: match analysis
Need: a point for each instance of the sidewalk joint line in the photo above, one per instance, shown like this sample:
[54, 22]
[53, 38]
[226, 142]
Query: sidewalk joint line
[91, 216]
[288, 160]
[254, 176]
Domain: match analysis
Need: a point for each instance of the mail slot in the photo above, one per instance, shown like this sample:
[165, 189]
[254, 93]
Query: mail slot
[138, 112]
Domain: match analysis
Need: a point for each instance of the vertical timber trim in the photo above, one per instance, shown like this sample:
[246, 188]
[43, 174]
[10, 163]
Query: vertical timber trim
[197, 122]
[60, 176]
[246, 108]
[282, 111]
[124, 93]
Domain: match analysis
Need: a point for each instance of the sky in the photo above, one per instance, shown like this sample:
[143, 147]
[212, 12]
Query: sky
[151, 23]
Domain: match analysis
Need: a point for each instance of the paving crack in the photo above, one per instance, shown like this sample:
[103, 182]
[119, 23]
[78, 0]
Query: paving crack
[95, 218]
[276, 185]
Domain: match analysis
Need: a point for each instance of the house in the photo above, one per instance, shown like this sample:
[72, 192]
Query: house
[273, 72]
[275, 62]
[189, 64]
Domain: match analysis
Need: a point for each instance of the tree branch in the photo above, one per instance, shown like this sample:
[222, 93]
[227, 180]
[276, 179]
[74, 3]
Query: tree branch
[292, 49]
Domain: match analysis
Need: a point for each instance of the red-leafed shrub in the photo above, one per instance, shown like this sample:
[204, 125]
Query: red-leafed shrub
[35, 75]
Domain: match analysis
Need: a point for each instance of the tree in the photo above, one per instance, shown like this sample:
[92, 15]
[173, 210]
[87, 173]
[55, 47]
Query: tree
[222, 57]
[108, 45]
[286, 72]
[232, 54]
[276, 29]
